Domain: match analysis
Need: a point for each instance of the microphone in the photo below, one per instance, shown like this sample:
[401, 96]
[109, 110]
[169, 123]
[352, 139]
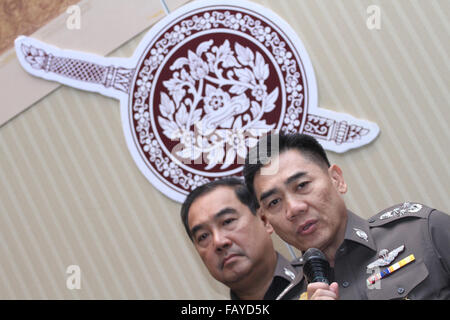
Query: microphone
[316, 266]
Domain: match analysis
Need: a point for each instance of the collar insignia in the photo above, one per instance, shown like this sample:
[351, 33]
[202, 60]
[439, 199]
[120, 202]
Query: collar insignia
[361, 234]
[289, 273]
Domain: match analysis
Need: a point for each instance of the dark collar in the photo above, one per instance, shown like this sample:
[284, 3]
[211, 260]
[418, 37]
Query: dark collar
[358, 230]
[283, 270]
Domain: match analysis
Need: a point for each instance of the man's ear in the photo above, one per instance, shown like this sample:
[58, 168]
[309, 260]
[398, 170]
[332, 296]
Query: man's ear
[337, 178]
[265, 221]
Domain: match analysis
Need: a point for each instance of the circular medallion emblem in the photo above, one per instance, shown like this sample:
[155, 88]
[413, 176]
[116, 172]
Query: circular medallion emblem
[205, 83]
[214, 79]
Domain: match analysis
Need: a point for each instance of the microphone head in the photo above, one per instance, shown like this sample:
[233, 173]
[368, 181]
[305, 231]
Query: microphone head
[316, 266]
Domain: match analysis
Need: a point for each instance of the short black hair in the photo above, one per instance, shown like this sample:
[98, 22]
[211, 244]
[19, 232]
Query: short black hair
[240, 189]
[275, 144]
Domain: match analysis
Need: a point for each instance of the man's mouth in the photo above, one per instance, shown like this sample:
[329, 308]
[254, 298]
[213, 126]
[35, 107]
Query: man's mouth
[229, 258]
[307, 228]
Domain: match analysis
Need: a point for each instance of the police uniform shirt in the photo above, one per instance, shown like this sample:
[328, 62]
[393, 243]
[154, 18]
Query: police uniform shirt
[394, 236]
[284, 274]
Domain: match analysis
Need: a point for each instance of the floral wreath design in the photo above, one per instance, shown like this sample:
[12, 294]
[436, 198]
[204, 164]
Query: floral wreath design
[230, 121]
[221, 110]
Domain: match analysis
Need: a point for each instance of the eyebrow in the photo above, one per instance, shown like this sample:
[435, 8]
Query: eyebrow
[222, 212]
[289, 180]
[267, 194]
[294, 177]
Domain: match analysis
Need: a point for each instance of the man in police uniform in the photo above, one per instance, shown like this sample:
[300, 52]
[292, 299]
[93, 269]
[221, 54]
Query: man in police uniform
[401, 253]
[235, 243]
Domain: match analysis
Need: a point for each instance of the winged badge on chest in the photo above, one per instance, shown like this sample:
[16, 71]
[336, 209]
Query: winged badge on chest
[386, 257]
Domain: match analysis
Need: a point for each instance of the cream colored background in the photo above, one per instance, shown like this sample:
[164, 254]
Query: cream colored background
[70, 192]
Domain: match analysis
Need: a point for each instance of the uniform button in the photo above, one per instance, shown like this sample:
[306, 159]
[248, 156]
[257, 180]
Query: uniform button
[401, 290]
[345, 284]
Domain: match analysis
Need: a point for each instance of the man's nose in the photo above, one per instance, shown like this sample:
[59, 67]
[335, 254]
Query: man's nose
[221, 241]
[295, 207]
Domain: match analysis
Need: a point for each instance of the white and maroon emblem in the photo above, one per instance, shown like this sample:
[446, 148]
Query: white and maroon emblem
[203, 85]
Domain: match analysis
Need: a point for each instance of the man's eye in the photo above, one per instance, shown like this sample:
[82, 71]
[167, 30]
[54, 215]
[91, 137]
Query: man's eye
[202, 237]
[302, 185]
[273, 203]
[228, 221]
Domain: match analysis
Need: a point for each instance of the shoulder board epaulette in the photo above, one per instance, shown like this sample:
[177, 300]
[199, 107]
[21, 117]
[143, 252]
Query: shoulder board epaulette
[400, 211]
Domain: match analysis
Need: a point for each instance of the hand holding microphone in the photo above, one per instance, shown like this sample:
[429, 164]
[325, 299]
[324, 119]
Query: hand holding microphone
[317, 272]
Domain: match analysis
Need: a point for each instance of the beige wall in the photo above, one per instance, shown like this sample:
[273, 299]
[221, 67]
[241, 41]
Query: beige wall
[70, 192]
